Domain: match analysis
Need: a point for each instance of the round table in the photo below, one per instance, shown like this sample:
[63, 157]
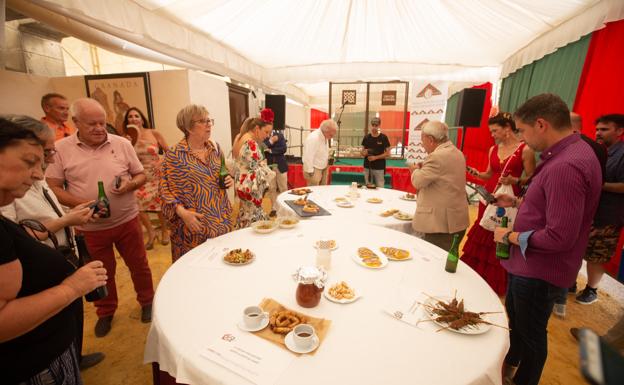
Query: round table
[200, 296]
[362, 211]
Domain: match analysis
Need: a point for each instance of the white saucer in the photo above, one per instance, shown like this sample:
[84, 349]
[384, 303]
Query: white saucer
[265, 322]
[290, 344]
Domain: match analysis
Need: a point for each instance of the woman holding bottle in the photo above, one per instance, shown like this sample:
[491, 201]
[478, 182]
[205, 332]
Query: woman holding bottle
[508, 158]
[192, 201]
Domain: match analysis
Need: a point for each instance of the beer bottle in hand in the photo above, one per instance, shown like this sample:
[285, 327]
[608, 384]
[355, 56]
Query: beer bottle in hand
[502, 249]
[102, 203]
[83, 258]
[453, 255]
[223, 173]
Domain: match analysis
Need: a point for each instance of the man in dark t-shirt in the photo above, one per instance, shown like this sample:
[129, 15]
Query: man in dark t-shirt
[375, 150]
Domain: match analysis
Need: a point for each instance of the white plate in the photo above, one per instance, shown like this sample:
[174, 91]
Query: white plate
[253, 257]
[402, 216]
[341, 199]
[332, 249]
[346, 204]
[290, 344]
[405, 198]
[478, 329]
[382, 258]
[265, 322]
[336, 300]
[374, 200]
[255, 225]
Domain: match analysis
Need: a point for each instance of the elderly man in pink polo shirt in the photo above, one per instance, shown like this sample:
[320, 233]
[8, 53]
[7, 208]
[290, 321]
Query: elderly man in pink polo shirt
[83, 159]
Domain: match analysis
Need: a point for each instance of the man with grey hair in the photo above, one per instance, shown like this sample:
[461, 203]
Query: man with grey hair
[316, 153]
[83, 161]
[442, 209]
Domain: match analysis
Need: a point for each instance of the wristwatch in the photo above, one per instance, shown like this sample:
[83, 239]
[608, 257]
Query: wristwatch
[506, 237]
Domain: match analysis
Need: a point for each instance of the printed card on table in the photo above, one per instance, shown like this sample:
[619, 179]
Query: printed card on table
[251, 358]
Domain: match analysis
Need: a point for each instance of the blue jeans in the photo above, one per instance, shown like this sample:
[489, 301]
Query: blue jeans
[529, 303]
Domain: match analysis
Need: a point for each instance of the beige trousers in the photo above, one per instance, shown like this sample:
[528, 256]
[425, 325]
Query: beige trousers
[317, 178]
[279, 184]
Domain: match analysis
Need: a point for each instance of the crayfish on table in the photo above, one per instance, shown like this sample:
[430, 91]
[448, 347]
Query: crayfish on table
[454, 315]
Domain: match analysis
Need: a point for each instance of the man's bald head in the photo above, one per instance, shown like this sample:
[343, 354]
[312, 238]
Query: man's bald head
[90, 119]
[577, 122]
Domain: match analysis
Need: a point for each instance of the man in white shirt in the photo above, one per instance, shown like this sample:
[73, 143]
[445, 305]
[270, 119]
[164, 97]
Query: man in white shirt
[316, 153]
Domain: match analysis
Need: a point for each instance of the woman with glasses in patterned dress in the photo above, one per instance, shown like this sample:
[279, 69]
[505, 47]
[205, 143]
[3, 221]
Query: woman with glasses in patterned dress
[196, 208]
[40, 287]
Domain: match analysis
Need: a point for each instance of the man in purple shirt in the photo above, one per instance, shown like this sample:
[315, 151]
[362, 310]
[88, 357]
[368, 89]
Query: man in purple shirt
[550, 232]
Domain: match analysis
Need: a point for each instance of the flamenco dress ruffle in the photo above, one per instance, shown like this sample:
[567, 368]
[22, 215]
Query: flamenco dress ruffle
[479, 253]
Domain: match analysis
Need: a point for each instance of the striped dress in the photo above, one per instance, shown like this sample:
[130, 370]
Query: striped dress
[187, 180]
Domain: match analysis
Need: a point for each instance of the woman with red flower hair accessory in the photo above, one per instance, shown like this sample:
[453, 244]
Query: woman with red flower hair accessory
[253, 176]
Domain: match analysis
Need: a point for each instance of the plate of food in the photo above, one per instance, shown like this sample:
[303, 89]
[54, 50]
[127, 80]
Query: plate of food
[264, 227]
[288, 222]
[371, 186]
[389, 213]
[341, 199]
[374, 200]
[408, 197]
[239, 257]
[301, 201]
[345, 204]
[333, 245]
[367, 258]
[452, 314]
[395, 254]
[341, 292]
[402, 216]
[300, 191]
[284, 321]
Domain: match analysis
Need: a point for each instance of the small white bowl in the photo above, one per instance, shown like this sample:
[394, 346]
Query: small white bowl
[288, 222]
[264, 227]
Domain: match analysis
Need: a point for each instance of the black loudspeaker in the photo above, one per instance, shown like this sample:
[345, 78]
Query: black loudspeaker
[278, 104]
[470, 107]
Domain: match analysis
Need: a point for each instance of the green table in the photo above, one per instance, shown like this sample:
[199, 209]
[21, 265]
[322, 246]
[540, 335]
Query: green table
[346, 177]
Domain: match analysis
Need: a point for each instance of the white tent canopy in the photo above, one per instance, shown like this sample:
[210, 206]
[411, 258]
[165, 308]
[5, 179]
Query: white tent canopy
[297, 46]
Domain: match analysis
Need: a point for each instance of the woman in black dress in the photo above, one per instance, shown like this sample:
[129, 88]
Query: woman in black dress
[39, 288]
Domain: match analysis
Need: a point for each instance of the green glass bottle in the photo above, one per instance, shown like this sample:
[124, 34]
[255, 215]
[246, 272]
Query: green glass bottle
[223, 172]
[502, 249]
[83, 258]
[453, 256]
[102, 205]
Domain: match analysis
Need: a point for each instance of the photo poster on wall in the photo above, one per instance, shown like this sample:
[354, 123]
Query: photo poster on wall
[428, 102]
[118, 92]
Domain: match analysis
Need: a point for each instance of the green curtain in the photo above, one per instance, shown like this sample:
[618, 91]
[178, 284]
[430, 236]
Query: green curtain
[451, 112]
[558, 73]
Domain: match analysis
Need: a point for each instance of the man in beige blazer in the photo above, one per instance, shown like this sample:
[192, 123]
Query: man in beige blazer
[442, 207]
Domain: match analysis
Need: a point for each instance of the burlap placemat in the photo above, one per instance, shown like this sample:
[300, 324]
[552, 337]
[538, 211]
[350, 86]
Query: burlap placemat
[321, 326]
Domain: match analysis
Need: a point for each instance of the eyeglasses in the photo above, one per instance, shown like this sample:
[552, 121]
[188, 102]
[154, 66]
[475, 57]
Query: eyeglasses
[49, 152]
[204, 121]
[36, 226]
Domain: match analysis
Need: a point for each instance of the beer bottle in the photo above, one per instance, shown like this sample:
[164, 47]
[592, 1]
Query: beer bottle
[502, 249]
[83, 258]
[453, 255]
[223, 173]
[102, 202]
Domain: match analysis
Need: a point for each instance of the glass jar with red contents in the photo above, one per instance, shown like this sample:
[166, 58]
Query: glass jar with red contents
[311, 282]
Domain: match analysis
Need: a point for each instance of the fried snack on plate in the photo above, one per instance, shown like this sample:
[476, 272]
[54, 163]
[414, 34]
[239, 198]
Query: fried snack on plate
[283, 322]
[341, 291]
[365, 252]
[388, 213]
[394, 253]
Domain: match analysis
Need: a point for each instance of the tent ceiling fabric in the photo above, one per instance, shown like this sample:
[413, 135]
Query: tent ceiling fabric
[304, 43]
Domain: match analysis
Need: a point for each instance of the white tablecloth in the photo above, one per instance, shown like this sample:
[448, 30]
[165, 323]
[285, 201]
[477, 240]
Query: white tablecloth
[198, 298]
[363, 211]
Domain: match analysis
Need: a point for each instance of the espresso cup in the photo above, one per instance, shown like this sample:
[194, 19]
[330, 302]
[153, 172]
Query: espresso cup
[303, 336]
[253, 316]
